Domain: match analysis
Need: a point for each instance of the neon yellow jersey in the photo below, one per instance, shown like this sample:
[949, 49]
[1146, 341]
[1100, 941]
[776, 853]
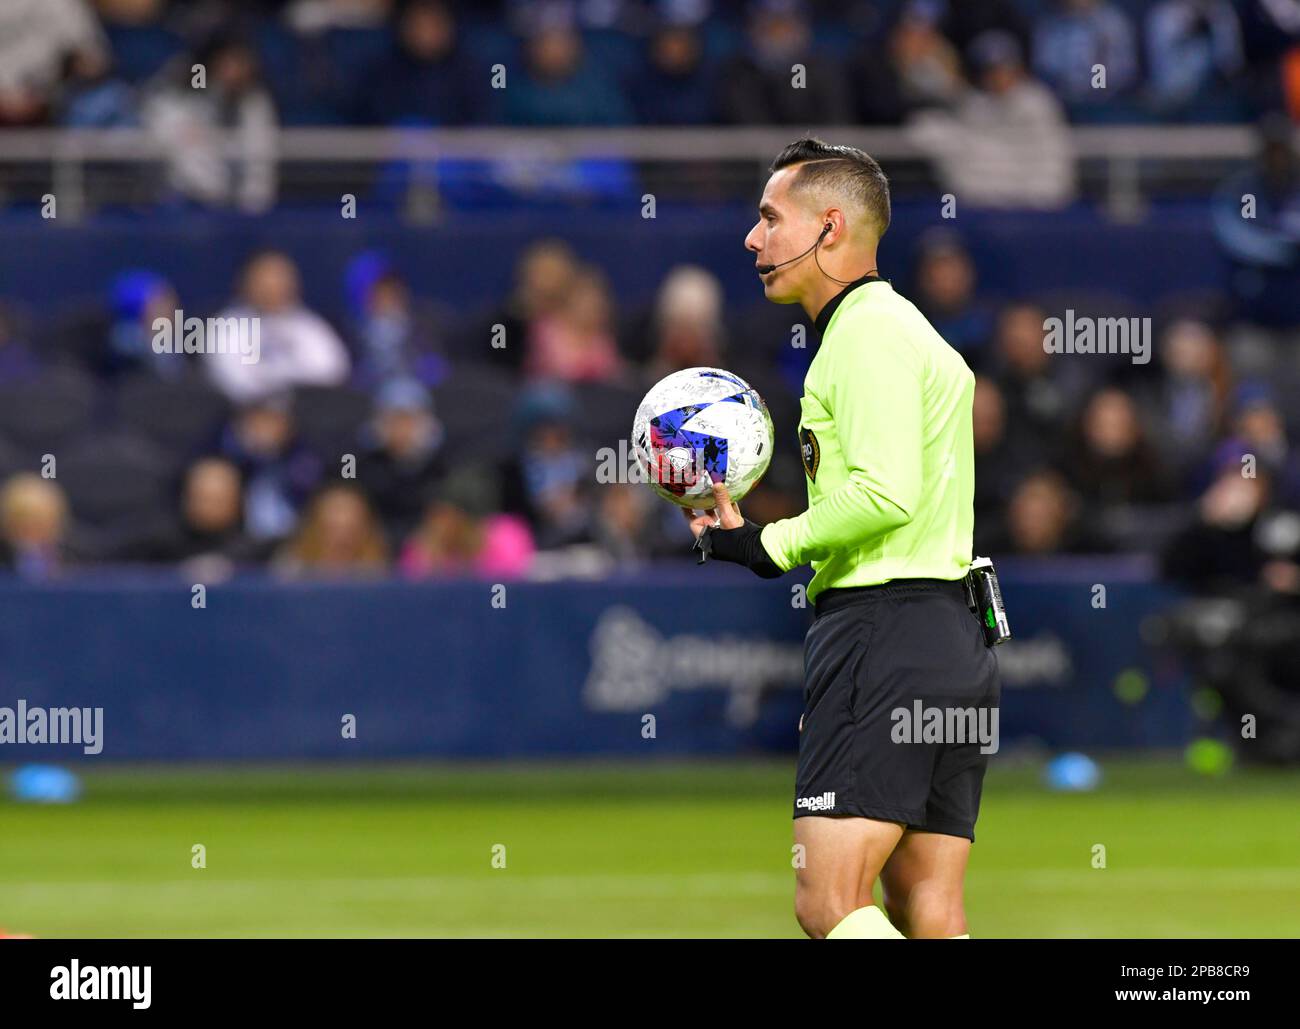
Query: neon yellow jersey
[885, 436]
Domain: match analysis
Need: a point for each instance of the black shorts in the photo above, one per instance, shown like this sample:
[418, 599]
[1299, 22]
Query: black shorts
[900, 707]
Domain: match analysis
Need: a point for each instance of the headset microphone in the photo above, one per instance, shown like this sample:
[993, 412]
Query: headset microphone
[763, 269]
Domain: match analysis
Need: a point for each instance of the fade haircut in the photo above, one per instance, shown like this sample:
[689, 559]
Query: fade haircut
[834, 171]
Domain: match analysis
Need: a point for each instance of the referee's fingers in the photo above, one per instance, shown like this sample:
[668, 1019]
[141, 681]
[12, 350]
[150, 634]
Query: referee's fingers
[727, 510]
[699, 521]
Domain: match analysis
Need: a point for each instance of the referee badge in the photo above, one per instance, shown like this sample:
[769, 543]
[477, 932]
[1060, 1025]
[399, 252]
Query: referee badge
[811, 452]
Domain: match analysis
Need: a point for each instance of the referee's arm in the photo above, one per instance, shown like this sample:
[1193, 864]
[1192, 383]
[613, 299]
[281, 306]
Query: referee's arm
[875, 398]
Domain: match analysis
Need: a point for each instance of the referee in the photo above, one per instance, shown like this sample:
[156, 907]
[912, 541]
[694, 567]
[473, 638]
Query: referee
[885, 437]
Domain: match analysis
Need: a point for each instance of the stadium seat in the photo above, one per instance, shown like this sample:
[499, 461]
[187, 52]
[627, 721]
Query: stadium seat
[605, 412]
[47, 414]
[475, 404]
[115, 480]
[179, 417]
[330, 418]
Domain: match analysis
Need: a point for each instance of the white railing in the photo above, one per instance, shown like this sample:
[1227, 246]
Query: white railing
[1115, 155]
[1172, 143]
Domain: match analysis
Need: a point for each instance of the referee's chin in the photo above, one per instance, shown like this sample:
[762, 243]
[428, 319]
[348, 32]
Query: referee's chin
[775, 292]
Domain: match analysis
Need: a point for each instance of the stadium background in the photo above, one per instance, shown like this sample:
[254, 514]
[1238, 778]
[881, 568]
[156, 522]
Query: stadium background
[348, 175]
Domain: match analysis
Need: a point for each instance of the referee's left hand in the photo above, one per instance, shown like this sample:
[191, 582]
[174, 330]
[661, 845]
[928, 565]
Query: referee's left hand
[726, 511]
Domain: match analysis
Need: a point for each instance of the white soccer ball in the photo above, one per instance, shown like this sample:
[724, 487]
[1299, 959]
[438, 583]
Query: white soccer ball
[700, 426]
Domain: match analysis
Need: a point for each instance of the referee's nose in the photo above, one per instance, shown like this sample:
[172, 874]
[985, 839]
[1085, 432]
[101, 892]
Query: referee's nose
[754, 241]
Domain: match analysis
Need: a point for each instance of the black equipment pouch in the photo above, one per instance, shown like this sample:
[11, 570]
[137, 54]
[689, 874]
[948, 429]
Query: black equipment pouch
[984, 597]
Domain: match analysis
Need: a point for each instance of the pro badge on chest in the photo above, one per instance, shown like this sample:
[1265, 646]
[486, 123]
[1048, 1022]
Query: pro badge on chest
[810, 450]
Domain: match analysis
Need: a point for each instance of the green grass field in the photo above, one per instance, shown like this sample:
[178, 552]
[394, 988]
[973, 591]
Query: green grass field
[617, 850]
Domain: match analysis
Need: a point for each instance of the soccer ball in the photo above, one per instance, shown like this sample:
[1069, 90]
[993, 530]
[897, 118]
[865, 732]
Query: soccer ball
[700, 426]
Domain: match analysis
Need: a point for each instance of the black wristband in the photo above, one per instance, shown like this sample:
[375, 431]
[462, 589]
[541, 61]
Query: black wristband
[742, 546]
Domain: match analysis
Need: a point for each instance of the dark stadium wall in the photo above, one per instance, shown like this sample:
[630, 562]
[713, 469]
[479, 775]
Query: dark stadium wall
[468, 258]
[269, 671]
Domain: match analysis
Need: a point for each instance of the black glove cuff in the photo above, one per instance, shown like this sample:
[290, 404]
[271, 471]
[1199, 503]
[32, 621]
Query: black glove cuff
[742, 546]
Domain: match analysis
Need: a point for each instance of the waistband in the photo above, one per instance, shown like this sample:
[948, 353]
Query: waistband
[837, 597]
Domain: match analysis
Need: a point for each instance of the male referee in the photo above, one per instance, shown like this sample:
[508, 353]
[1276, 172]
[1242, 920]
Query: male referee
[885, 435]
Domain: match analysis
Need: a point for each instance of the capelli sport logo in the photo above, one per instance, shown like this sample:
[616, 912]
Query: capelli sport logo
[826, 802]
[811, 452]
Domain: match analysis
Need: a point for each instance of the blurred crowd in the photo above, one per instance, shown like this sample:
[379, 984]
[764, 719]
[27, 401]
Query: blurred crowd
[416, 441]
[412, 438]
[987, 91]
[646, 62]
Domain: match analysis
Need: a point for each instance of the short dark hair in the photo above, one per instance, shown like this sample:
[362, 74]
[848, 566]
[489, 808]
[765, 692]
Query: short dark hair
[843, 169]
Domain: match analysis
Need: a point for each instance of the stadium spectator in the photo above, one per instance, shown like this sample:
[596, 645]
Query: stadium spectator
[1243, 554]
[36, 39]
[1041, 391]
[946, 294]
[34, 524]
[963, 23]
[339, 537]
[633, 526]
[278, 471]
[1189, 401]
[297, 346]
[1256, 217]
[209, 527]
[559, 84]
[1111, 461]
[92, 97]
[402, 464]
[756, 84]
[546, 481]
[1221, 550]
[427, 79]
[920, 68]
[576, 343]
[463, 533]
[1003, 457]
[1006, 144]
[396, 338]
[687, 325]
[1194, 57]
[675, 85]
[189, 112]
[1087, 53]
[543, 278]
[1259, 431]
[139, 298]
[113, 335]
[1043, 518]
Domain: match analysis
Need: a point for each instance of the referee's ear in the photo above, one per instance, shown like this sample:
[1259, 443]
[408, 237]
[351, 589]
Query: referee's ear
[833, 223]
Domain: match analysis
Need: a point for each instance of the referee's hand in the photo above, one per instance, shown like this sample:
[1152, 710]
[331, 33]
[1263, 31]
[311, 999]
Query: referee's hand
[725, 512]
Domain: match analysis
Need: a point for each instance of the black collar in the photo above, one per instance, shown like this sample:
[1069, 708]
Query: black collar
[824, 315]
